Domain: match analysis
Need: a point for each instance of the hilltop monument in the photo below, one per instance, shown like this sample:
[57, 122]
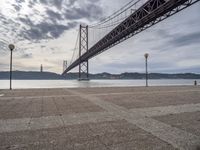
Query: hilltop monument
[41, 68]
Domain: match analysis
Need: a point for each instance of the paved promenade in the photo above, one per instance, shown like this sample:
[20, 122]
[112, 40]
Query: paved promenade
[128, 118]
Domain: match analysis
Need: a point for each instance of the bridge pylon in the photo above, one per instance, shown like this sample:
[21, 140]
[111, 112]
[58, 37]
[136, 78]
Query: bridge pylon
[83, 48]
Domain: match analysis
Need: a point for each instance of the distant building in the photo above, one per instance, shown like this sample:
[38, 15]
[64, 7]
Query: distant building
[41, 68]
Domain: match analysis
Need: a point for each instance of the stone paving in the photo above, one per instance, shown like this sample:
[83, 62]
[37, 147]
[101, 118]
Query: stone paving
[121, 118]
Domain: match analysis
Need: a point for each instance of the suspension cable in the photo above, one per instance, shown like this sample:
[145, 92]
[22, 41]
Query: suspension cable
[115, 14]
[74, 50]
[111, 25]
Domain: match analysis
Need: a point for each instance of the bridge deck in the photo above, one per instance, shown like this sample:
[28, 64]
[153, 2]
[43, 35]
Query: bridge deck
[101, 118]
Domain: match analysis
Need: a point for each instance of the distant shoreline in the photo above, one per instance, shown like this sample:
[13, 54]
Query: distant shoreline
[31, 75]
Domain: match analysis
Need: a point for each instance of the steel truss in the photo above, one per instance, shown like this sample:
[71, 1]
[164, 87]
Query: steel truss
[151, 13]
[83, 48]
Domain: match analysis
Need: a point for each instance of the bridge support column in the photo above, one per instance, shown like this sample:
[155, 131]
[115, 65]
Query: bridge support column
[83, 48]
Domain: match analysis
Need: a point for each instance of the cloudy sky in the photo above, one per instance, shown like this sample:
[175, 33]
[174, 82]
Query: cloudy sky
[44, 32]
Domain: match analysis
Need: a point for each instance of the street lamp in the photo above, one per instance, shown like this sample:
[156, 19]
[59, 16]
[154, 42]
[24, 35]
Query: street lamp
[146, 64]
[11, 47]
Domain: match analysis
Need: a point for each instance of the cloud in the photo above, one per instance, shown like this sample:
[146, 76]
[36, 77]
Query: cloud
[71, 2]
[3, 66]
[173, 41]
[44, 30]
[53, 14]
[56, 3]
[17, 7]
[185, 40]
[42, 46]
[56, 22]
[20, 1]
[42, 21]
[163, 33]
[3, 46]
[90, 11]
[26, 21]
[27, 55]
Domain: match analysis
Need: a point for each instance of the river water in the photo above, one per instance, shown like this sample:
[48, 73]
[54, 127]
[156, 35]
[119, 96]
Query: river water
[21, 84]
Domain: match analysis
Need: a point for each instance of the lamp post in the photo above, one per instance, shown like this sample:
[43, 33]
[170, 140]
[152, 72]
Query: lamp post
[146, 64]
[11, 47]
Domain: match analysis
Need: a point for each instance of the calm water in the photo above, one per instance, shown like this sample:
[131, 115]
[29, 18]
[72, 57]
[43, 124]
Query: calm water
[4, 84]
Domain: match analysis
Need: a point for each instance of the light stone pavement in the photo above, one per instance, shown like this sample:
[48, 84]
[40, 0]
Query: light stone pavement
[97, 110]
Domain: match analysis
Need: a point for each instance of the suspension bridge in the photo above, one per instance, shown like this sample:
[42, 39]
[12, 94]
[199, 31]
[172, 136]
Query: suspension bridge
[131, 19]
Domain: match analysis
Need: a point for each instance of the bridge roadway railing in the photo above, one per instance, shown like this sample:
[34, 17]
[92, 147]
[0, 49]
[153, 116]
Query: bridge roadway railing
[152, 12]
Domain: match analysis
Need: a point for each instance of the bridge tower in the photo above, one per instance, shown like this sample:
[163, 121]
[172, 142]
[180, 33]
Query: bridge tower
[83, 48]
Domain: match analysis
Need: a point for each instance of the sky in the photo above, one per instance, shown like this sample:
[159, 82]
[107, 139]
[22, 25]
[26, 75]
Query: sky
[45, 31]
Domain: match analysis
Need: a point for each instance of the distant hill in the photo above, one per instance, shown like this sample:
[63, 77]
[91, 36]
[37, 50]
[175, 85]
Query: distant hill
[137, 76]
[31, 75]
